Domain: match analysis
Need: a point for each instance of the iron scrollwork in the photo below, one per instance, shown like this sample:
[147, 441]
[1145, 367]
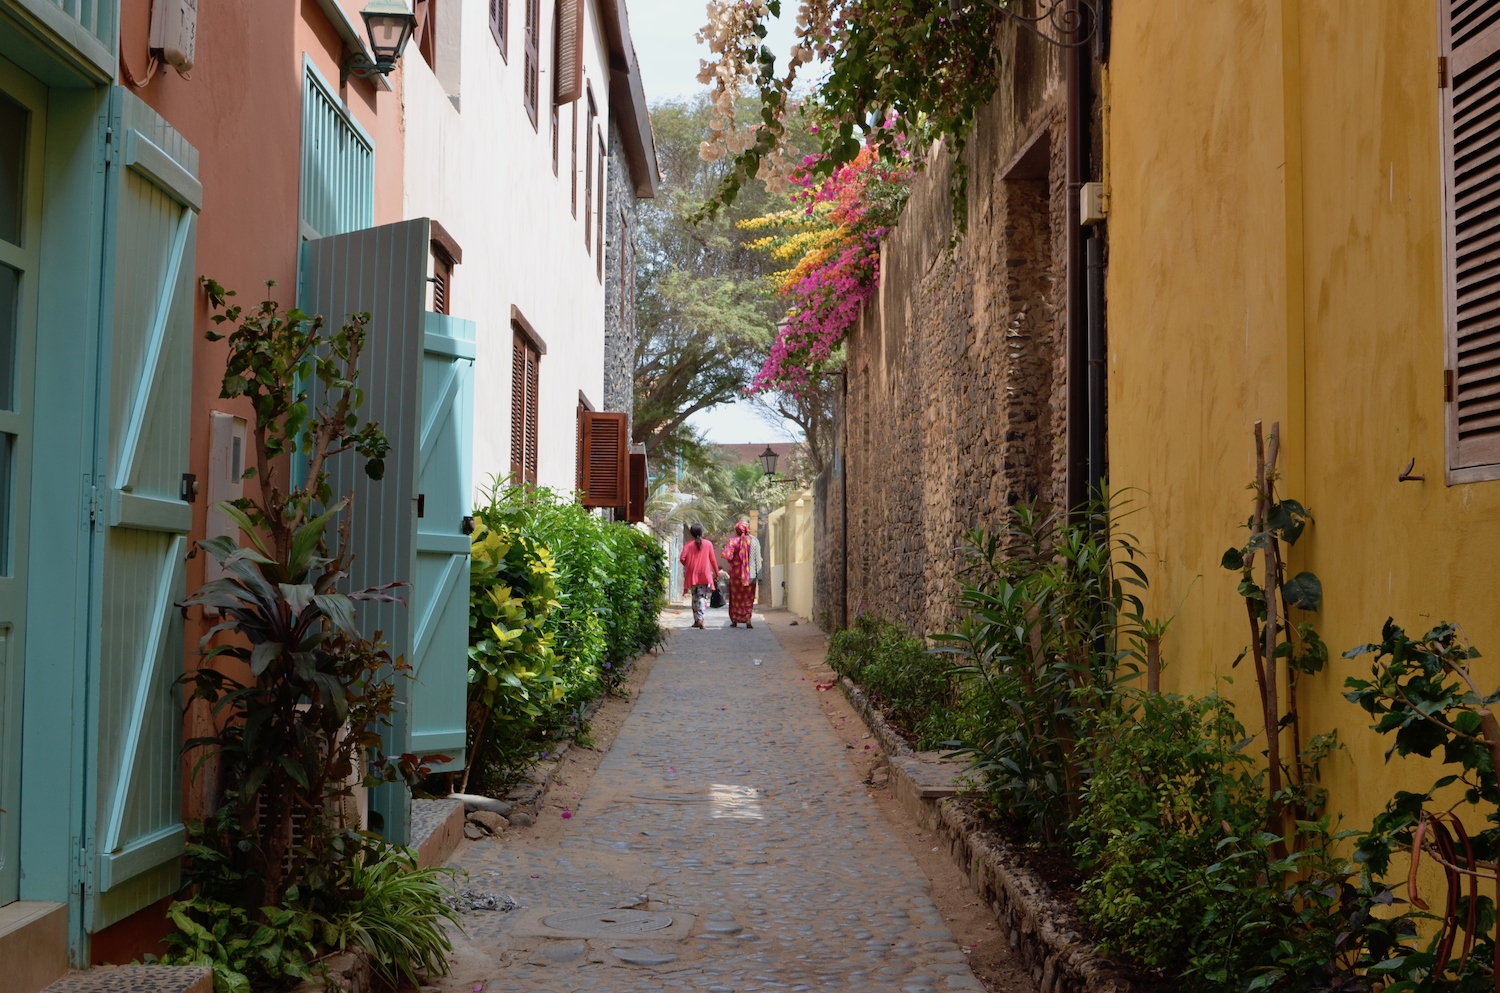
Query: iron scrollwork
[1078, 19]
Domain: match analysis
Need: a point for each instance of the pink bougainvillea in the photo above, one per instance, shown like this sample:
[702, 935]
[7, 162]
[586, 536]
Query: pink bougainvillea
[832, 237]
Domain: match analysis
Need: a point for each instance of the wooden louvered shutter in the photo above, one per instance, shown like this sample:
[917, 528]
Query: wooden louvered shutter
[532, 59]
[518, 366]
[533, 412]
[606, 463]
[567, 83]
[1471, 174]
[499, 9]
[637, 506]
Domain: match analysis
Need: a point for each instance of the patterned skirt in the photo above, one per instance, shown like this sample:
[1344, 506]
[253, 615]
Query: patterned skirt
[741, 602]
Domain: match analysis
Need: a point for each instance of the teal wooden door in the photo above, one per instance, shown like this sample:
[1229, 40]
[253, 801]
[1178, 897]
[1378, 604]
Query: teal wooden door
[23, 103]
[417, 372]
[382, 271]
[152, 200]
[440, 592]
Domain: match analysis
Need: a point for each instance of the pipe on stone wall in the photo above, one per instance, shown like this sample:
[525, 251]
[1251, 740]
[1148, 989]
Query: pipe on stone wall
[1077, 433]
[1097, 353]
[840, 460]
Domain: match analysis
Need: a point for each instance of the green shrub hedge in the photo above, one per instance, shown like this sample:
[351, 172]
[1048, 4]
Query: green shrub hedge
[559, 602]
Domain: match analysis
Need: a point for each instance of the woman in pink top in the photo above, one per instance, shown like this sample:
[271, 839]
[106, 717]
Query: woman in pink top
[699, 565]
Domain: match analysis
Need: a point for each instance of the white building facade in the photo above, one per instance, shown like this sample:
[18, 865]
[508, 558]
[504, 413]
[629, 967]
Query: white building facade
[507, 114]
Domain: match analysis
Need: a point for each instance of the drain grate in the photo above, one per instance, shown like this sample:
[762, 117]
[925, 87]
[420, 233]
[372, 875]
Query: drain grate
[607, 921]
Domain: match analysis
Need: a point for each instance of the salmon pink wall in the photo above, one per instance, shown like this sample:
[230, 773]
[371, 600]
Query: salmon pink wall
[242, 110]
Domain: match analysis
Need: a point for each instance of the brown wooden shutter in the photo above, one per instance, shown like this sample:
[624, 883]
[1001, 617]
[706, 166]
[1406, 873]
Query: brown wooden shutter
[567, 85]
[606, 464]
[518, 408]
[533, 412]
[533, 59]
[442, 280]
[637, 507]
[1471, 167]
[425, 34]
[499, 14]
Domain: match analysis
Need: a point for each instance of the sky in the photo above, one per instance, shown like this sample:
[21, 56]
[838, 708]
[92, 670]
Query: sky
[663, 32]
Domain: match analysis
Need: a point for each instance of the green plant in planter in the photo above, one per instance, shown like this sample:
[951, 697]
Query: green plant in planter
[1423, 691]
[303, 706]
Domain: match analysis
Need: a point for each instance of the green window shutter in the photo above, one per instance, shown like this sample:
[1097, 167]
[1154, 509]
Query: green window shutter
[152, 199]
[440, 596]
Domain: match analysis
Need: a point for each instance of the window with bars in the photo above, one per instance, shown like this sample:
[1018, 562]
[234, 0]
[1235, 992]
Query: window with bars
[532, 59]
[588, 177]
[599, 212]
[524, 404]
[338, 164]
[499, 19]
[1471, 180]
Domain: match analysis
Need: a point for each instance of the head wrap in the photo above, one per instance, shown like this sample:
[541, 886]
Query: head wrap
[742, 528]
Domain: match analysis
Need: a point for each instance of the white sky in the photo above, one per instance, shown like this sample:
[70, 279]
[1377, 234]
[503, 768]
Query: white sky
[663, 32]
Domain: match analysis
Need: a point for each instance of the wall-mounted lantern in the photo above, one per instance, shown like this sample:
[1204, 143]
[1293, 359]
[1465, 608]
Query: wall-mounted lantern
[768, 462]
[390, 24]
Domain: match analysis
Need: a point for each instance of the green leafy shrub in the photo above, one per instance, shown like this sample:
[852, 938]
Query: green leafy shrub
[1047, 631]
[1169, 782]
[917, 687]
[376, 899]
[560, 602]
[398, 916]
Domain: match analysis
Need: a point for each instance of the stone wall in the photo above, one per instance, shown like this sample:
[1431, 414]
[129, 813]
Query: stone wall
[619, 278]
[955, 395]
[828, 534]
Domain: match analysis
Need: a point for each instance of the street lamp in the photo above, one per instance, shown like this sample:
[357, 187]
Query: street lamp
[390, 24]
[768, 462]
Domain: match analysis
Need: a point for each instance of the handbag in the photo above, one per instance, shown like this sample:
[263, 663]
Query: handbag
[717, 600]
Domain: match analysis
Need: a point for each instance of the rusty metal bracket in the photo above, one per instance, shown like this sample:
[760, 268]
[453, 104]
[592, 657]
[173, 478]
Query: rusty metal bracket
[1407, 477]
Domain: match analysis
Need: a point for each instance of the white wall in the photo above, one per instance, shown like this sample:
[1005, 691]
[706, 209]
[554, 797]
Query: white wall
[475, 164]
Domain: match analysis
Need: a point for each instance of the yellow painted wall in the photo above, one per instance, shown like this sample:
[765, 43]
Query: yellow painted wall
[1275, 235]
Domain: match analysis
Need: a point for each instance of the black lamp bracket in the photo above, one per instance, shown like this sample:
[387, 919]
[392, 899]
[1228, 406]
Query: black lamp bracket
[1062, 18]
[358, 64]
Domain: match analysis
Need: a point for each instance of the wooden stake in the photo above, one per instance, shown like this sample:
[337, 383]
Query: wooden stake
[1153, 664]
[1273, 703]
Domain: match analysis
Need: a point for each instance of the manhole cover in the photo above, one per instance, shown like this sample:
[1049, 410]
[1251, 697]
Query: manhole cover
[607, 921]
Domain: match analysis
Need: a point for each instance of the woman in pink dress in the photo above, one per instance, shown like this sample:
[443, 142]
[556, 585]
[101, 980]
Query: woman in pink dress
[741, 575]
[698, 567]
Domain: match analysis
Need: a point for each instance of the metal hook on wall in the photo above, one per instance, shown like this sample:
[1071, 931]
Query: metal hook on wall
[1406, 476]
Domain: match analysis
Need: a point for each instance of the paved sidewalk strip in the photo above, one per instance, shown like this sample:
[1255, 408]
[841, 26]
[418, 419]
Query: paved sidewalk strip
[726, 846]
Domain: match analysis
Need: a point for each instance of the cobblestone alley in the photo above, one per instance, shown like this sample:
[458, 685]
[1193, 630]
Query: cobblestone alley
[725, 844]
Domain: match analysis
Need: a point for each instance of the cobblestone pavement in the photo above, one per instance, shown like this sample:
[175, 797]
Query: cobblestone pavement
[727, 810]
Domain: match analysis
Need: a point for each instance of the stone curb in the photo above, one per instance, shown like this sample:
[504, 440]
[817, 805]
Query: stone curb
[1042, 932]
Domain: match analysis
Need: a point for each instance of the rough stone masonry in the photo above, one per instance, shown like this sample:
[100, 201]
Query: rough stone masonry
[723, 845]
[955, 402]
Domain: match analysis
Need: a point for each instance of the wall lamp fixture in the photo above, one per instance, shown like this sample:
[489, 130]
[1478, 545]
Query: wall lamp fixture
[390, 24]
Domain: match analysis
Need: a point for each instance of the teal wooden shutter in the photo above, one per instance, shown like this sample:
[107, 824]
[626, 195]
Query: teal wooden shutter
[440, 595]
[382, 271]
[152, 200]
